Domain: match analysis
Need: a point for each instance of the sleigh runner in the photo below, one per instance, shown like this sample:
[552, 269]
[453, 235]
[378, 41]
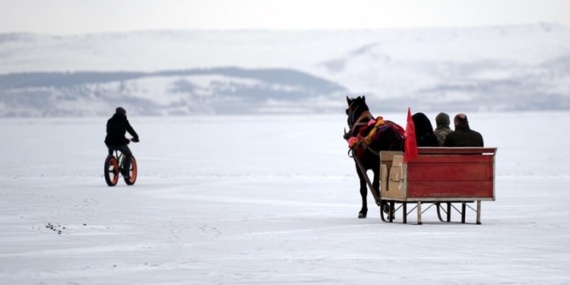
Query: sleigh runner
[441, 177]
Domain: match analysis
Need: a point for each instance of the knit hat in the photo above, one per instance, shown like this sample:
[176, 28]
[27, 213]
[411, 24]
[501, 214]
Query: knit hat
[442, 119]
[120, 110]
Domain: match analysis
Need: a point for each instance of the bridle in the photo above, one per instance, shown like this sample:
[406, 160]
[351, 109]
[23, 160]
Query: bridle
[354, 123]
[351, 113]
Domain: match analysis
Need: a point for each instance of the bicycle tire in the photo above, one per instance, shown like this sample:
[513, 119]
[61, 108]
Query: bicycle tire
[132, 172]
[111, 171]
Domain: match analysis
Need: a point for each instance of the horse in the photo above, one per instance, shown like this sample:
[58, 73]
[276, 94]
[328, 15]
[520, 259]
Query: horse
[367, 136]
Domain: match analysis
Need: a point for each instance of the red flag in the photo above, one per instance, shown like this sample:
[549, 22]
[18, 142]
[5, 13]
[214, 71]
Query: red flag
[411, 146]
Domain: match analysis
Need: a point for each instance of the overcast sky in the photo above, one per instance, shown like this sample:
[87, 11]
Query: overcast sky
[93, 16]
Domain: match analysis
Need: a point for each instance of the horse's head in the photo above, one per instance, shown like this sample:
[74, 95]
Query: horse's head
[356, 108]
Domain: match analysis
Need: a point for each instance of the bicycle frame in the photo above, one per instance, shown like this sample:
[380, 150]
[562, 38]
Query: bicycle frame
[120, 158]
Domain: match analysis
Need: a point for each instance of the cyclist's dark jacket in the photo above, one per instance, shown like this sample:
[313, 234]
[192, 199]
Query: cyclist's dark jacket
[117, 126]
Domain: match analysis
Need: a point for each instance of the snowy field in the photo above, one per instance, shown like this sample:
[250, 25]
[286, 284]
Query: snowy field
[264, 200]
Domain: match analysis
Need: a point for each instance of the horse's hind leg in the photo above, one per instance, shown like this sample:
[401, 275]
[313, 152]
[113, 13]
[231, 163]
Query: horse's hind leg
[363, 192]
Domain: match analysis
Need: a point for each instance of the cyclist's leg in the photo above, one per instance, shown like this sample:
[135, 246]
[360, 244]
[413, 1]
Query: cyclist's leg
[127, 161]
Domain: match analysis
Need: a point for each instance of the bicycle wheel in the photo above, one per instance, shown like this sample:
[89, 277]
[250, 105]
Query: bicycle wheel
[132, 172]
[111, 170]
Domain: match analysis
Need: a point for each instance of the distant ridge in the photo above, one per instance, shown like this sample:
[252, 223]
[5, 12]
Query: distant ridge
[67, 79]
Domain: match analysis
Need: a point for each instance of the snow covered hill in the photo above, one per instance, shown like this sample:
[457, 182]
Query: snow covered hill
[183, 92]
[522, 67]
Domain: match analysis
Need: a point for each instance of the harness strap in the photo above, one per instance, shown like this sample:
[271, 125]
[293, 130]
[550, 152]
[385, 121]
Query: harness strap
[352, 150]
[358, 121]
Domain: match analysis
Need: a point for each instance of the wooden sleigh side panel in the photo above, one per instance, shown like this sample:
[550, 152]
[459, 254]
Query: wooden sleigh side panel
[440, 174]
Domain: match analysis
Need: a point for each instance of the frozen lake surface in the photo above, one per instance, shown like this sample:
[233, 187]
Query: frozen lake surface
[267, 199]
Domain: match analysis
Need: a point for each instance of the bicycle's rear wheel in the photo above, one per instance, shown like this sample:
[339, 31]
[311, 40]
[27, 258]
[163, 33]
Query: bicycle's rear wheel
[111, 170]
[132, 172]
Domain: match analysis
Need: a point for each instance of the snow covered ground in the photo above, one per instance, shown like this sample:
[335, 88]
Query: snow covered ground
[267, 199]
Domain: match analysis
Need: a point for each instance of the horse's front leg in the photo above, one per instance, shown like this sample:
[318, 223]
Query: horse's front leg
[363, 192]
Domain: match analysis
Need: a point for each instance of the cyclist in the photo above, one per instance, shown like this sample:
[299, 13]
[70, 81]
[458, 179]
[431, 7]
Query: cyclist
[117, 126]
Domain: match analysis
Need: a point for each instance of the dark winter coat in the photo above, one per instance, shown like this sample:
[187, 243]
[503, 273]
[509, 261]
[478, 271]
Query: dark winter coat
[117, 126]
[463, 136]
[424, 131]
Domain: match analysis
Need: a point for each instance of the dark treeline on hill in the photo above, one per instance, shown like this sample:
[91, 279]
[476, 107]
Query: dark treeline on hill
[228, 90]
[67, 79]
